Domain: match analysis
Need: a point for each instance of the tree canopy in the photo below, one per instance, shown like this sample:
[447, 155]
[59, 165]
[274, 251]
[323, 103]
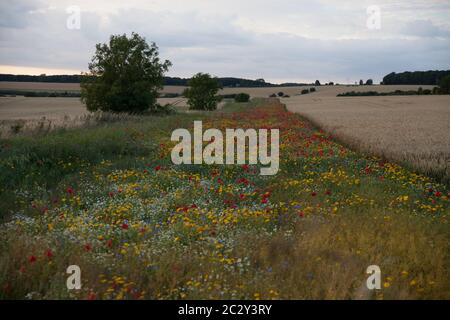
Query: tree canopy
[417, 77]
[202, 91]
[124, 76]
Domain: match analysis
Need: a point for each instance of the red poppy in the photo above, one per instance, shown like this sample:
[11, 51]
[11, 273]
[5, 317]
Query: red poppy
[301, 214]
[328, 192]
[243, 181]
[109, 243]
[125, 226]
[92, 296]
[157, 168]
[49, 253]
[313, 194]
[32, 259]
[70, 190]
[438, 194]
[87, 247]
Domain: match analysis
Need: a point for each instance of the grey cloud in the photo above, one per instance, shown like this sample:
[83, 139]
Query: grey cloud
[215, 43]
[424, 28]
[16, 13]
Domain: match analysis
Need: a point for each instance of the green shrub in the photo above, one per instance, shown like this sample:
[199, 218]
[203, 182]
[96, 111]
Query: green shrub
[444, 85]
[305, 91]
[312, 90]
[242, 97]
[202, 91]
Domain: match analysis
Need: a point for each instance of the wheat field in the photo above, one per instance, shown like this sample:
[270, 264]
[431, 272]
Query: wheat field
[412, 130]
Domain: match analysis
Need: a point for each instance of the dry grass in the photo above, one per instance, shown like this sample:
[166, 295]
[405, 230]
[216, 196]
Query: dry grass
[412, 130]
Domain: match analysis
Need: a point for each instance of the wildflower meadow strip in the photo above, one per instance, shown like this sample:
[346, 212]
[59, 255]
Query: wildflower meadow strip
[141, 227]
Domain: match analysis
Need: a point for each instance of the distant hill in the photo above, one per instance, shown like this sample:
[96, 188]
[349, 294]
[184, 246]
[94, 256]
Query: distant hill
[416, 77]
[168, 81]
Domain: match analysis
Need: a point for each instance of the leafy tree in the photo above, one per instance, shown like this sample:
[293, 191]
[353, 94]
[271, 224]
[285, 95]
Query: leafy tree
[242, 97]
[125, 76]
[317, 83]
[202, 91]
[369, 82]
[281, 93]
[444, 85]
[361, 82]
[417, 77]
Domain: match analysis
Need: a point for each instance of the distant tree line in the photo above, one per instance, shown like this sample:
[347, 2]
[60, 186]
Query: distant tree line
[417, 77]
[168, 81]
[75, 78]
[40, 94]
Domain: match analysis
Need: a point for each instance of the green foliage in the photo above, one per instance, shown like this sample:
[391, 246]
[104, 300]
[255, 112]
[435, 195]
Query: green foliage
[444, 85]
[317, 83]
[417, 77]
[312, 90]
[281, 93]
[435, 90]
[126, 75]
[369, 82]
[242, 97]
[41, 94]
[420, 91]
[305, 91]
[202, 91]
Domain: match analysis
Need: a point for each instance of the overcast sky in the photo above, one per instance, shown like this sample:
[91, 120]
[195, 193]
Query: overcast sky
[280, 41]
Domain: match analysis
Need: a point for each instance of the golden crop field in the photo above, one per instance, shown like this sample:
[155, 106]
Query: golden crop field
[413, 130]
